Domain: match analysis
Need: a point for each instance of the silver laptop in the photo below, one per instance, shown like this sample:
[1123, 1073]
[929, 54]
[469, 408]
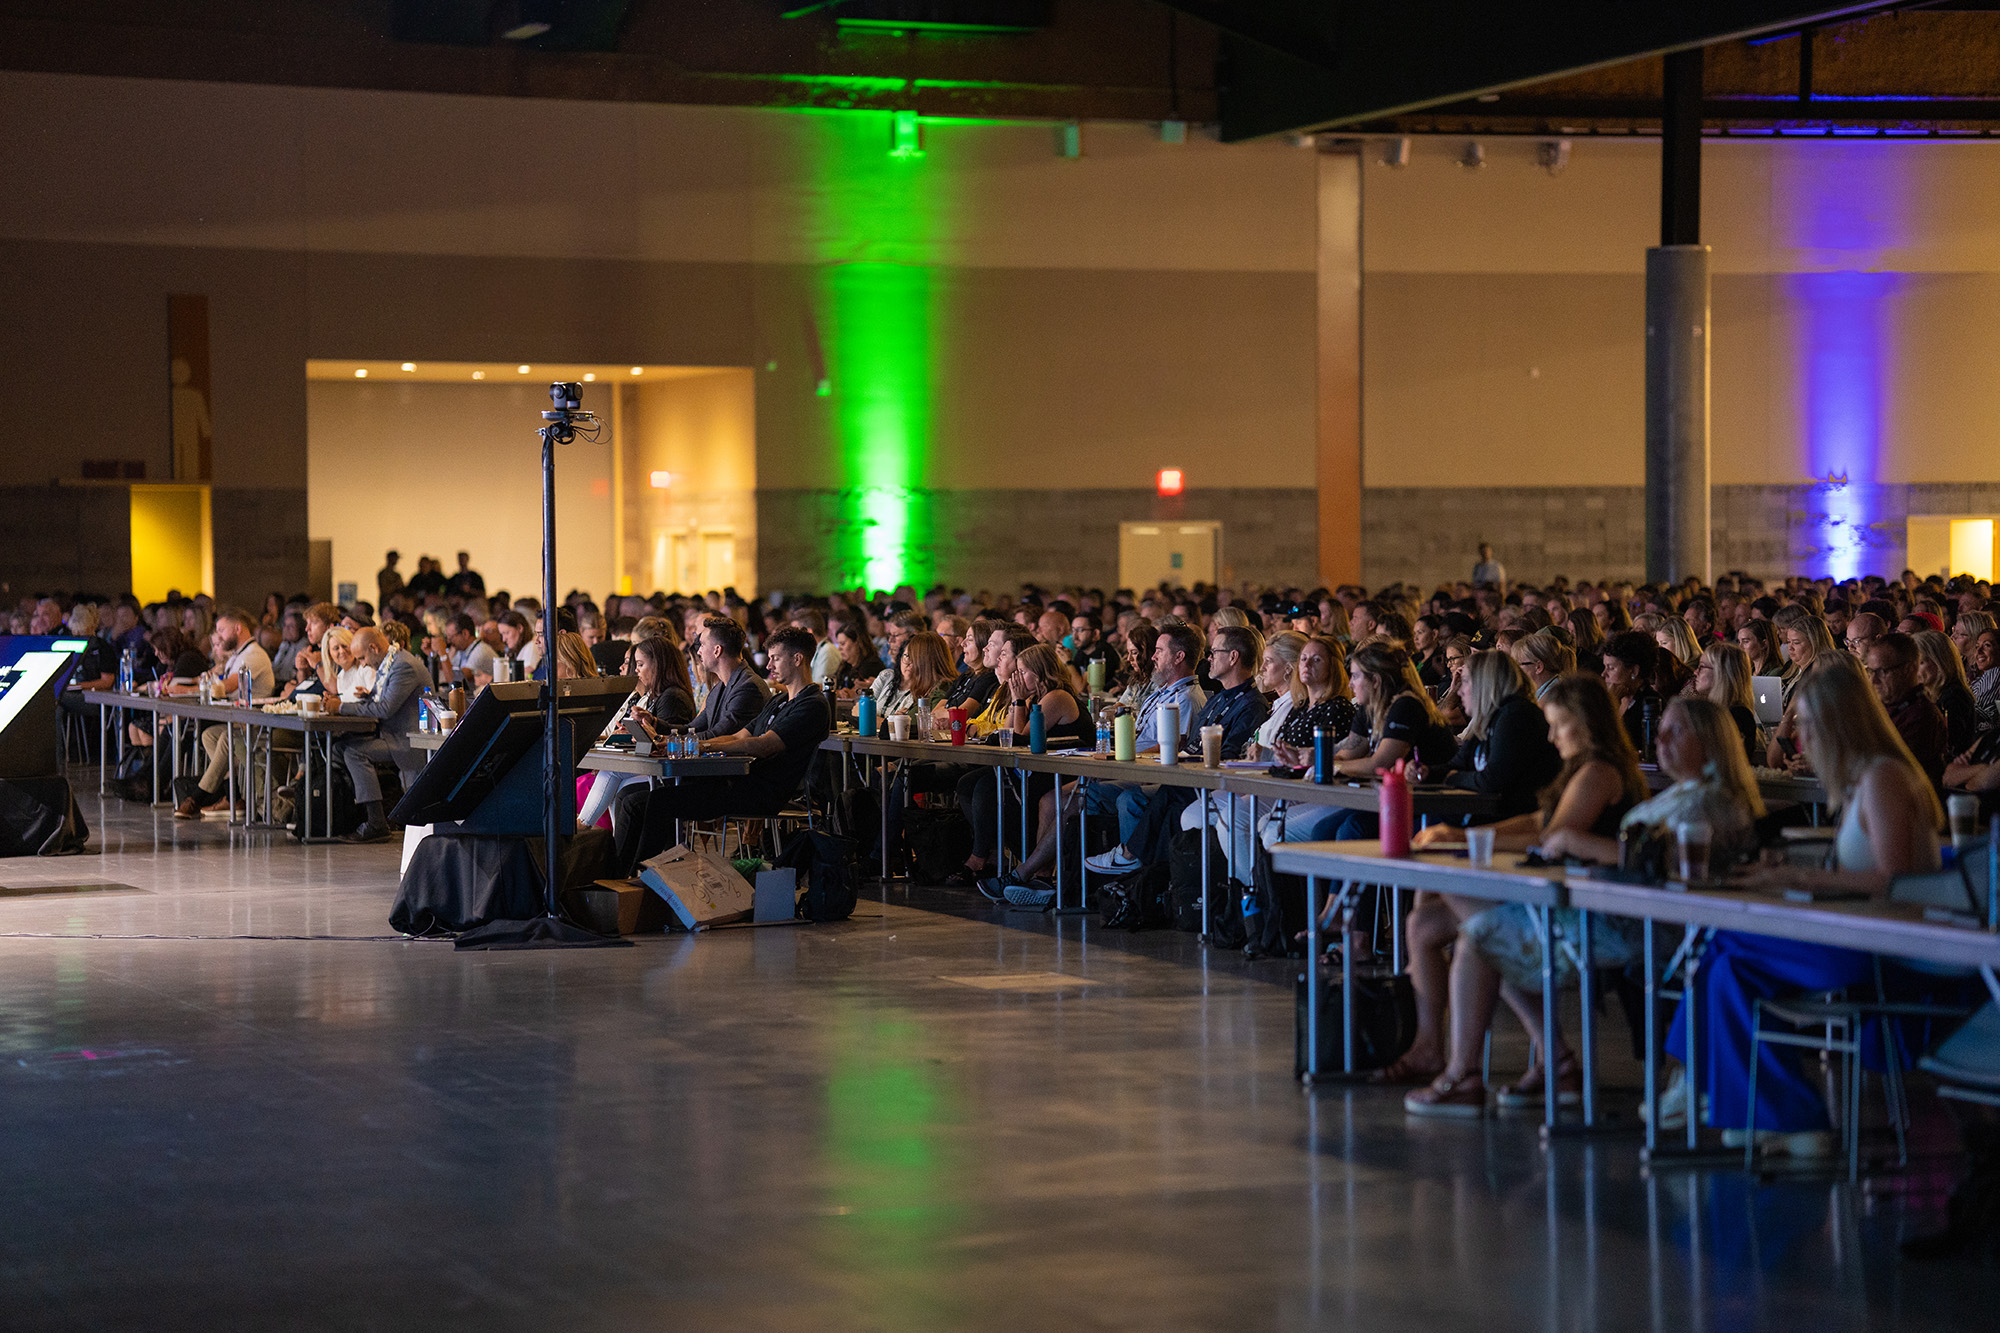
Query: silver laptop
[1769, 692]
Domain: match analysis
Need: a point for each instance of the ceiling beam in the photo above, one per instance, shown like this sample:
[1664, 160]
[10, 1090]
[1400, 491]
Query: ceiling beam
[1289, 65]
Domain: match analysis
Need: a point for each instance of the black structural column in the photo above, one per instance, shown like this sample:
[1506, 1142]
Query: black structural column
[1677, 327]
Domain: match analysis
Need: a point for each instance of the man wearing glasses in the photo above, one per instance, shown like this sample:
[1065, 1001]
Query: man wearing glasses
[1891, 663]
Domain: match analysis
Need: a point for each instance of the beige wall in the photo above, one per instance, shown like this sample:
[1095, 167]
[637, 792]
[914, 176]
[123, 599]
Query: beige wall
[433, 469]
[1504, 312]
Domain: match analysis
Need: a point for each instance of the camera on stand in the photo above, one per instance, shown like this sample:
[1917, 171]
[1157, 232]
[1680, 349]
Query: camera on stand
[567, 395]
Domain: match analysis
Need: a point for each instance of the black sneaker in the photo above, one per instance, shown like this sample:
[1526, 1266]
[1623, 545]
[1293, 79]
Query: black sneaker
[368, 833]
[994, 890]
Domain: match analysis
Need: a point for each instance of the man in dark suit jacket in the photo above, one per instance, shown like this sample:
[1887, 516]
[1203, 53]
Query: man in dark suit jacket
[738, 694]
[400, 681]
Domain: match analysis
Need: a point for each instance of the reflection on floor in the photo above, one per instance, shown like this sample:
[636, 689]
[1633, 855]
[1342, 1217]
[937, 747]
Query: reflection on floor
[233, 1099]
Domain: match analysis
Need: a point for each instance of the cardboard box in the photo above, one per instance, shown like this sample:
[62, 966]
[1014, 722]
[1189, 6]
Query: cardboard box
[702, 888]
[610, 906]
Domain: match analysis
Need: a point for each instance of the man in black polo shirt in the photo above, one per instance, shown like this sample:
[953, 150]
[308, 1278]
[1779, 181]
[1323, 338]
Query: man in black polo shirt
[781, 741]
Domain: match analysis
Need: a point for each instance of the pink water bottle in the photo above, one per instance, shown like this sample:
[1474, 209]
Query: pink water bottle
[1394, 793]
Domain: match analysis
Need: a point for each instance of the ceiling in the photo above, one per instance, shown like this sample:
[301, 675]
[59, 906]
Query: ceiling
[1254, 67]
[540, 374]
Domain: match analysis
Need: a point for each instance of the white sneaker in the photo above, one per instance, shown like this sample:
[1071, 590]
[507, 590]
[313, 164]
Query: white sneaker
[1113, 862]
[1806, 1144]
[1674, 1104]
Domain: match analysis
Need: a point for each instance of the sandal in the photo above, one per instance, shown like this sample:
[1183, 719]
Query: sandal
[1448, 1098]
[1527, 1090]
[1402, 1074]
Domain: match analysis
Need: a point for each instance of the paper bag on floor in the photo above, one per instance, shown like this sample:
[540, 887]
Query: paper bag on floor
[702, 888]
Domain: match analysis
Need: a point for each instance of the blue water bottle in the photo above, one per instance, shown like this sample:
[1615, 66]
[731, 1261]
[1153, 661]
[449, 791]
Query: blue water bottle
[1038, 731]
[1104, 732]
[864, 715]
[1322, 756]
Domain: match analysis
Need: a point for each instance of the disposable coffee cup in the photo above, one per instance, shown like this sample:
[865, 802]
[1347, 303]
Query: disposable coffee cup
[309, 705]
[1479, 846]
[1692, 840]
[1211, 747]
[1964, 811]
[899, 726]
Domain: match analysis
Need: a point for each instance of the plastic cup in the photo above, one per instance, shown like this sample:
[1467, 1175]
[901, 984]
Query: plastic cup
[1006, 738]
[1479, 844]
[1211, 747]
[1964, 811]
[1692, 838]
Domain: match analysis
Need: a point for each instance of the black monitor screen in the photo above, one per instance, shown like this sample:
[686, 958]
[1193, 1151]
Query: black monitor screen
[502, 727]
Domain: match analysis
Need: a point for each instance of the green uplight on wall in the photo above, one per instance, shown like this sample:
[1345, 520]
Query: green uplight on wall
[878, 295]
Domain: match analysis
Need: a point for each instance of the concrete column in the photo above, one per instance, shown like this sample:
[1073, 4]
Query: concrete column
[1677, 317]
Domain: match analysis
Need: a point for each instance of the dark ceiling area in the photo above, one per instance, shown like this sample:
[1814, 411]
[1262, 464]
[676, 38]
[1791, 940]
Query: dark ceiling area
[1251, 67]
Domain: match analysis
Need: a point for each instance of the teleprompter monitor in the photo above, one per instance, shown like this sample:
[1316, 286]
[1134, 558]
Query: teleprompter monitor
[487, 776]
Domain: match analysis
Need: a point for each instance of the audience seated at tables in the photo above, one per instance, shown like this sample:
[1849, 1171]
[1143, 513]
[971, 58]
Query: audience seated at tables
[1889, 821]
[399, 680]
[1598, 782]
[1395, 719]
[781, 742]
[973, 685]
[1147, 815]
[736, 694]
[1041, 678]
[241, 660]
[1177, 651]
[924, 677]
[662, 702]
[1759, 642]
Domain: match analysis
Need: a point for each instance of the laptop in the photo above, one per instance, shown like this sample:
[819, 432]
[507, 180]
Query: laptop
[1769, 692]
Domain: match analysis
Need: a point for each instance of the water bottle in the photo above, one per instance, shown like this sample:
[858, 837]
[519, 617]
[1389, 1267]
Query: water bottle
[864, 715]
[1395, 810]
[1038, 731]
[243, 684]
[1649, 727]
[125, 672]
[1250, 913]
[1322, 756]
[1104, 739]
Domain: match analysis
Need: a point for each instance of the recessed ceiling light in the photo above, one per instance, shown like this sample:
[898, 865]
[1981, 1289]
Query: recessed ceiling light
[479, 374]
[638, 370]
[589, 375]
[521, 370]
[409, 366]
[662, 480]
[361, 374]
[521, 32]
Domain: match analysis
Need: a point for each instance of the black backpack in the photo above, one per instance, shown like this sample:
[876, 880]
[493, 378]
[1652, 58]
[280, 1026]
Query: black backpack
[1225, 897]
[1142, 900]
[1385, 1020]
[939, 841]
[826, 866]
[1272, 929]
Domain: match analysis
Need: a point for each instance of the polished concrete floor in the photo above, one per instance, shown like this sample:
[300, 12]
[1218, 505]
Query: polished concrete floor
[230, 1098]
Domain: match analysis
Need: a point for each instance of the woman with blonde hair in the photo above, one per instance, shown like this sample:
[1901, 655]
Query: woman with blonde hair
[1543, 659]
[1889, 822]
[1674, 635]
[1941, 672]
[1806, 640]
[573, 657]
[1723, 678]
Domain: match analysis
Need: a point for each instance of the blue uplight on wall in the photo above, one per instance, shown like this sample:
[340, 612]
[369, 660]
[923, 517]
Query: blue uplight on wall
[1844, 322]
[1841, 210]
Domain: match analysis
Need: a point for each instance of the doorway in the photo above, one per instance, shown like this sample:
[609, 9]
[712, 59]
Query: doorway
[1952, 544]
[1168, 551]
